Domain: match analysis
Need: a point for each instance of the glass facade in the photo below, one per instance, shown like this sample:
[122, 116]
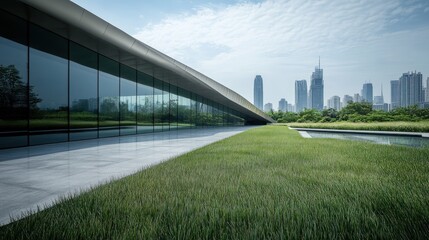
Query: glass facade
[55, 90]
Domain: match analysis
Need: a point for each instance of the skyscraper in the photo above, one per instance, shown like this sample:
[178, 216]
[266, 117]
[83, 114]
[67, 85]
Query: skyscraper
[427, 90]
[283, 105]
[334, 102]
[395, 99]
[268, 107]
[346, 100]
[357, 98]
[300, 95]
[258, 92]
[367, 93]
[316, 89]
[410, 88]
[379, 99]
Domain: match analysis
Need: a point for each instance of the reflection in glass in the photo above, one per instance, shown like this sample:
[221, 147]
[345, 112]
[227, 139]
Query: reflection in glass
[193, 110]
[108, 97]
[144, 103]
[157, 94]
[173, 107]
[128, 101]
[13, 94]
[183, 109]
[49, 76]
[165, 119]
[83, 93]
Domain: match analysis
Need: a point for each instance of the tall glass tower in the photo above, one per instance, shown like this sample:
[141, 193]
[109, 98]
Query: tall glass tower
[258, 93]
[316, 89]
[367, 93]
[300, 95]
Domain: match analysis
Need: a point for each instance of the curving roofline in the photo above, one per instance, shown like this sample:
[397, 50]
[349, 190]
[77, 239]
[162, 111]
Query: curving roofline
[84, 22]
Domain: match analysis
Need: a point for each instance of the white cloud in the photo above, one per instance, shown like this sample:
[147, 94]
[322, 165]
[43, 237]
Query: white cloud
[279, 39]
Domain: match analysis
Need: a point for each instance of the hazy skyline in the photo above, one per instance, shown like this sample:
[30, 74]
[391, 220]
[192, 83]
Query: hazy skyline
[233, 41]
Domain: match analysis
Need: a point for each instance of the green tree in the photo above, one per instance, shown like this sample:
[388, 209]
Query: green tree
[355, 109]
[309, 115]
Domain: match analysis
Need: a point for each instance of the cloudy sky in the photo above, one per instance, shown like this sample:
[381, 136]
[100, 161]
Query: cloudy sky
[358, 41]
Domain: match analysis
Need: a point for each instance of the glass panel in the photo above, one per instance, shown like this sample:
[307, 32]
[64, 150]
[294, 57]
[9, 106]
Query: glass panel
[165, 119]
[193, 111]
[209, 114]
[128, 101]
[184, 109]
[108, 97]
[49, 78]
[173, 107]
[83, 93]
[144, 103]
[157, 105]
[13, 83]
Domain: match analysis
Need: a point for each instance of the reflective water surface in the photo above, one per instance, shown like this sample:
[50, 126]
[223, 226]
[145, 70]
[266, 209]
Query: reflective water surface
[380, 139]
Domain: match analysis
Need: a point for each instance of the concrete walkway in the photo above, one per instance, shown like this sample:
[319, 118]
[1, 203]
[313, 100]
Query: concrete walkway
[38, 175]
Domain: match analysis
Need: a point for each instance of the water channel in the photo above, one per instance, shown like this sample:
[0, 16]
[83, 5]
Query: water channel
[412, 141]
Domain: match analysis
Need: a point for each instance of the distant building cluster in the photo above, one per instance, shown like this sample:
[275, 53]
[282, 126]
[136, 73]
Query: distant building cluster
[406, 91]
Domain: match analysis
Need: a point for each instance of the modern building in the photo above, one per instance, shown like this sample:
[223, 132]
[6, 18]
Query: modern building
[258, 92]
[68, 75]
[283, 105]
[410, 88]
[367, 93]
[427, 90]
[395, 98]
[335, 103]
[300, 95]
[379, 99]
[357, 97]
[290, 108]
[316, 89]
[268, 107]
[381, 107]
[346, 100]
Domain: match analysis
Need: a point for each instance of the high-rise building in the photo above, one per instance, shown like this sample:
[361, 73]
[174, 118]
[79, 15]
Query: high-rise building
[290, 108]
[268, 107]
[367, 93]
[357, 98]
[346, 100]
[379, 99]
[395, 100]
[410, 88]
[316, 89]
[258, 92]
[427, 90]
[283, 105]
[300, 95]
[334, 102]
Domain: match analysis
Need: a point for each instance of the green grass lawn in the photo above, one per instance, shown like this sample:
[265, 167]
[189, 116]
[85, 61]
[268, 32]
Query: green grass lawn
[422, 126]
[267, 182]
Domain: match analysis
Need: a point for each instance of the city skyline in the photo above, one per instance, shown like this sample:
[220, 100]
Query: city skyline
[232, 41]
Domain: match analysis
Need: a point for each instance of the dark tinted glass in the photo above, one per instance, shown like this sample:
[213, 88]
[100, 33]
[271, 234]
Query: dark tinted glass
[144, 103]
[128, 100]
[173, 107]
[13, 82]
[108, 90]
[165, 119]
[49, 83]
[183, 109]
[83, 93]
[158, 106]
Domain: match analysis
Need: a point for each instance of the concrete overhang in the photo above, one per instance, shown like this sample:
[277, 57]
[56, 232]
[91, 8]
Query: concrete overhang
[73, 22]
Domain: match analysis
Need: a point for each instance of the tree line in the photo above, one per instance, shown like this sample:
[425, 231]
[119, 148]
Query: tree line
[353, 112]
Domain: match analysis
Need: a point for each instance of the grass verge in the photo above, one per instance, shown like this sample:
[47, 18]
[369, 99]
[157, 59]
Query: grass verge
[267, 182]
[422, 126]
